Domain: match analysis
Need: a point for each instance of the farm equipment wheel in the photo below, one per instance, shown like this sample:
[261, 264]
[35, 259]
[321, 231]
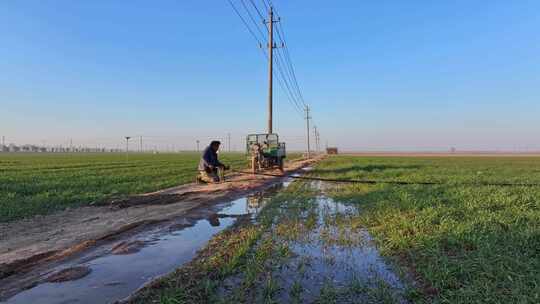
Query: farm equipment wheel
[280, 164]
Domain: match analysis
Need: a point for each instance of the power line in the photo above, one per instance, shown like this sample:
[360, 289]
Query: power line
[286, 75]
[286, 52]
[289, 67]
[287, 62]
[265, 5]
[281, 35]
[283, 83]
[291, 91]
[244, 21]
[288, 94]
[257, 9]
[253, 19]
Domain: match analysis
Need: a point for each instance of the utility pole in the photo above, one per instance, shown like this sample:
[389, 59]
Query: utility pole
[316, 140]
[198, 145]
[127, 148]
[140, 144]
[307, 128]
[271, 47]
[229, 141]
[3, 140]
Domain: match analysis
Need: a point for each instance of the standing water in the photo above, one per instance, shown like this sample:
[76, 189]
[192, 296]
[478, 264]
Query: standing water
[113, 272]
[326, 253]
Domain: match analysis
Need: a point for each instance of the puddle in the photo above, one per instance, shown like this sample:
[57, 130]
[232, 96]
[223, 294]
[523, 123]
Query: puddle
[115, 271]
[334, 255]
[325, 251]
[328, 252]
[254, 203]
[114, 277]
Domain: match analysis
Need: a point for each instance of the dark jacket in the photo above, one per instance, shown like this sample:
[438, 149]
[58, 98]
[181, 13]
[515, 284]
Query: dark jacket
[209, 159]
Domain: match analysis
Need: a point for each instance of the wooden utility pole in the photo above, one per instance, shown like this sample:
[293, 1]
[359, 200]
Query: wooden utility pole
[307, 126]
[271, 48]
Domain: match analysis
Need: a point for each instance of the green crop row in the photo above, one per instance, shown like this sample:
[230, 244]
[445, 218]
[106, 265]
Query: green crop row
[32, 184]
[460, 243]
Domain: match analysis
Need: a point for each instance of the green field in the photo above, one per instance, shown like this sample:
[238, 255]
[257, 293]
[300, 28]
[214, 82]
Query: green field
[449, 243]
[33, 184]
[467, 244]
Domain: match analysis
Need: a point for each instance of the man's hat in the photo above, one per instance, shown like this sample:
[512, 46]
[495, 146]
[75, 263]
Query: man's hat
[215, 142]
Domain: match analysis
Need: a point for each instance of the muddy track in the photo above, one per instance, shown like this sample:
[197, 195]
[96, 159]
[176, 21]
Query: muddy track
[43, 242]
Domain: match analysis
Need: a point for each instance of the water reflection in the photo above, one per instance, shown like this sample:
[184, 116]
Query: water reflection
[114, 276]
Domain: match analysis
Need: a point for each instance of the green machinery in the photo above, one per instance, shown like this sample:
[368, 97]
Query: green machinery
[265, 151]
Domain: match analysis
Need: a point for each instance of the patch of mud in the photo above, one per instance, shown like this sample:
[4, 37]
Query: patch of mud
[69, 274]
[128, 247]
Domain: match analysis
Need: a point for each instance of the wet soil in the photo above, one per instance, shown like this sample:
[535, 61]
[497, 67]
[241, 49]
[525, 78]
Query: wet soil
[69, 274]
[135, 242]
[42, 238]
[326, 254]
[328, 257]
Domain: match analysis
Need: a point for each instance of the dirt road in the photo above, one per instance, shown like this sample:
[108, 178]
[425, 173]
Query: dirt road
[30, 243]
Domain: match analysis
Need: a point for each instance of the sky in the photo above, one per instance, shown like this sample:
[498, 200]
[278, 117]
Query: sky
[378, 75]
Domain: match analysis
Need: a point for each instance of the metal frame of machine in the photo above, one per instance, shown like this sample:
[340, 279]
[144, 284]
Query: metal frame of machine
[265, 151]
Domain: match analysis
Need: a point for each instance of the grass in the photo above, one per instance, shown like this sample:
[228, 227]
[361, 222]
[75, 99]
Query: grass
[463, 244]
[33, 184]
[39, 183]
[452, 243]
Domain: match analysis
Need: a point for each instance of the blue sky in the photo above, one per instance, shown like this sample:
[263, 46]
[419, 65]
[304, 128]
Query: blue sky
[394, 75]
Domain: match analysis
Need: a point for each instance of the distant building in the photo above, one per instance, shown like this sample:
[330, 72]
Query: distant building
[332, 150]
[13, 148]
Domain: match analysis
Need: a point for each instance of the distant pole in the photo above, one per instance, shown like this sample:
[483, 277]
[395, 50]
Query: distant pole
[140, 144]
[127, 148]
[307, 132]
[229, 141]
[3, 140]
[71, 145]
[316, 141]
[198, 145]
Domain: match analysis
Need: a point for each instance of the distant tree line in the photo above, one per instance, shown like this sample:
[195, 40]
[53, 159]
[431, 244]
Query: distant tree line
[60, 149]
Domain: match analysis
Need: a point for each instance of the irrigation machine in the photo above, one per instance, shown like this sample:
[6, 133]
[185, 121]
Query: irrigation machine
[265, 151]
